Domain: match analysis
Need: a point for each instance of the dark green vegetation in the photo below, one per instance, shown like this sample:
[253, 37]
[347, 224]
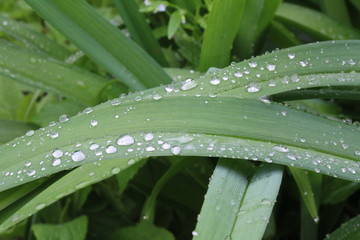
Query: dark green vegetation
[267, 114]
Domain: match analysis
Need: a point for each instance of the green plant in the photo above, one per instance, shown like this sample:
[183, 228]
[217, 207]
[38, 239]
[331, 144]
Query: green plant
[137, 167]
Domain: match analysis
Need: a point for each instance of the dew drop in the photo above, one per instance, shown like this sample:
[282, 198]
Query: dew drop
[175, 150]
[31, 173]
[188, 84]
[57, 153]
[281, 148]
[131, 161]
[27, 164]
[238, 74]
[78, 156]
[253, 64]
[54, 135]
[270, 67]
[94, 146]
[265, 201]
[40, 206]
[303, 63]
[215, 81]
[194, 233]
[30, 133]
[56, 162]
[88, 110]
[63, 118]
[93, 123]
[110, 149]
[150, 149]
[252, 88]
[169, 89]
[291, 55]
[148, 137]
[156, 96]
[115, 170]
[166, 146]
[125, 140]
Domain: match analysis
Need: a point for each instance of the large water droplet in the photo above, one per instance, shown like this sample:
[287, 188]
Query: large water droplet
[93, 123]
[56, 162]
[148, 137]
[175, 150]
[215, 81]
[270, 67]
[188, 84]
[253, 64]
[30, 133]
[31, 172]
[94, 146]
[78, 156]
[253, 88]
[150, 149]
[63, 118]
[291, 55]
[281, 148]
[125, 140]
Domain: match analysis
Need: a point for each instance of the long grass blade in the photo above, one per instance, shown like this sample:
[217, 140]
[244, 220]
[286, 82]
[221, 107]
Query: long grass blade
[315, 23]
[139, 30]
[102, 42]
[337, 10]
[348, 231]
[223, 23]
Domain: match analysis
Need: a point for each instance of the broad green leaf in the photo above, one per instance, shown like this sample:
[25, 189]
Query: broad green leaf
[142, 231]
[348, 231]
[74, 230]
[174, 23]
[39, 70]
[258, 15]
[337, 10]
[10, 129]
[32, 38]
[139, 30]
[239, 201]
[316, 23]
[303, 182]
[102, 42]
[223, 23]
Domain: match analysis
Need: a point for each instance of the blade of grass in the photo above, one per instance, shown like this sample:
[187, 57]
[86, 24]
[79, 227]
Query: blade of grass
[32, 38]
[282, 36]
[39, 70]
[348, 231]
[223, 23]
[258, 15]
[356, 4]
[102, 42]
[315, 23]
[240, 198]
[337, 10]
[10, 129]
[139, 30]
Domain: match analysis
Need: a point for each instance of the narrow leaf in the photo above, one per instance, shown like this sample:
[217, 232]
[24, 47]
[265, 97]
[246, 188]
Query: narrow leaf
[348, 231]
[102, 42]
[174, 23]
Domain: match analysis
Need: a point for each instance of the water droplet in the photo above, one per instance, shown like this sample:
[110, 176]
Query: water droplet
[166, 146]
[215, 81]
[238, 74]
[188, 84]
[265, 201]
[131, 161]
[63, 118]
[40, 206]
[30, 133]
[357, 152]
[54, 135]
[253, 64]
[93, 123]
[270, 67]
[316, 220]
[265, 99]
[150, 149]
[169, 88]
[110, 149]
[148, 137]
[291, 55]
[125, 140]
[31, 172]
[194, 233]
[78, 156]
[303, 63]
[27, 164]
[253, 88]
[57, 153]
[175, 150]
[115, 170]
[56, 162]
[156, 96]
[281, 148]
[88, 110]
[94, 146]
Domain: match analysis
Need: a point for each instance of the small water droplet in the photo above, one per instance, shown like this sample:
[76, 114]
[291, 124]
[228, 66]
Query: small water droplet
[175, 150]
[156, 96]
[265, 201]
[115, 170]
[93, 123]
[253, 64]
[291, 55]
[215, 81]
[63, 118]
[169, 88]
[125, 140]
[110, 149]
[150, 149]
[40, 206]
[131, 161]
[303, 63]
[148, 137]
[78, 156]
[30, 133]
[27, 164]
[270, 67]
[56, 162]
[194, 233]
[31, 172]
[238, 74]
[57, 153]
[281, 148]
[253, 88]
[54, 135]
[88, 110]
[94, 146]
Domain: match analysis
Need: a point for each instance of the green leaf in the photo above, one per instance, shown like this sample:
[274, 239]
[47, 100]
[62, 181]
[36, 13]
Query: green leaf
[102, 42]
[259, 14]
[337, 10]
[75, 230]
[240, 199]
[142, 231]
[223, 23]
[315, 23]
[348, 231]
[282, 36]
[174, 23]
[10, 96]
[39, 70]
[32, 38]
[337, 190]
[139, 30]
